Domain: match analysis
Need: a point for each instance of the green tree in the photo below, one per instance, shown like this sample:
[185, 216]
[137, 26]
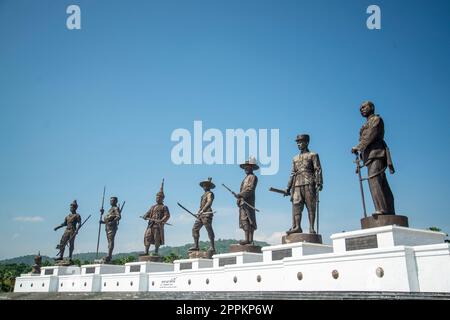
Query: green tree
[171, 258]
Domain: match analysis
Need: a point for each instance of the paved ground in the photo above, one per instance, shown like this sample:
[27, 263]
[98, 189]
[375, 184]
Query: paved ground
[297, 295]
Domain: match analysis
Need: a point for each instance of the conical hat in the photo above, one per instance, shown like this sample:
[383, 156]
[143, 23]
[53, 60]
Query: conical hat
[161, 190]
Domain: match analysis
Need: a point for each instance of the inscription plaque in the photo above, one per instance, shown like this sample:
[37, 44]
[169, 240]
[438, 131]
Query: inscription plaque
[135, 268]
[280, 254]
[360, 243]
[48, 272]
[227, 261]
[185, 265]
[90, 270]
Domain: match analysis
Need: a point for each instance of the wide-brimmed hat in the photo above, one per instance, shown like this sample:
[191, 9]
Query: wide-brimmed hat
[302, 137]
[207, 183]
[250, 163]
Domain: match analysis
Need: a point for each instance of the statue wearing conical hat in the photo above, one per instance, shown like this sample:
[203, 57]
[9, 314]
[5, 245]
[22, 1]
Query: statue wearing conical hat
[36, 268]
[204, 216]
[157, 216]
[72, 222]
[246, 195]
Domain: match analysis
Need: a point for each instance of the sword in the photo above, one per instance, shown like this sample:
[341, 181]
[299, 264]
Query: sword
[317, 205]
[358, 171]
[155, 221]
[283, 192]
[243, 201]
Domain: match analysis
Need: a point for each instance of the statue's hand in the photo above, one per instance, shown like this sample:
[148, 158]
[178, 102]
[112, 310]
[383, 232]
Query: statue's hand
[319, 187]
[288, 192]
[355, 150]
[102, 211]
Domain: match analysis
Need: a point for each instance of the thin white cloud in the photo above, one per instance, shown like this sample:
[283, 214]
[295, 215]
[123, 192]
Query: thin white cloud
[274, 238]
[15, 236]
[32, 219]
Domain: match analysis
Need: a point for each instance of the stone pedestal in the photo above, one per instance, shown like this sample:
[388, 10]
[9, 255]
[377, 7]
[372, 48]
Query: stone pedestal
[294, 250]
[302, 237]
[60, 270]
[381, 220]
[384, 237]
[147, 267]
[150, 258]
[101, 269]
[192, 264]
[236, 258]
[201, 254]
[244, 248]
[63, 263]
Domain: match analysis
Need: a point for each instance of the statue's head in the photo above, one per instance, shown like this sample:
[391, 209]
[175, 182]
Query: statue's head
[73, 206]
[113, 201]
[367, 108]
[302, 141]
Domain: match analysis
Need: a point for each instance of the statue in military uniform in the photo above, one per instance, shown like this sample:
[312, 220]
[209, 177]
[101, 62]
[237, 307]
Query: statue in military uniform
[304, 184]
[246, 195]
[72, 223]
[157, 216]
[204, 216]
[375, 155]
[111, 222]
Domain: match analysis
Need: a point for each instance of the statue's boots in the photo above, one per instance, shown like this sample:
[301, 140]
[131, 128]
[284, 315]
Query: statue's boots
[195, 247]
[294, 230]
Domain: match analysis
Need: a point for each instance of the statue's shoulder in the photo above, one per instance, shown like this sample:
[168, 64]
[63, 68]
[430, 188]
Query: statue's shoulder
[375, 119]
[296, 157]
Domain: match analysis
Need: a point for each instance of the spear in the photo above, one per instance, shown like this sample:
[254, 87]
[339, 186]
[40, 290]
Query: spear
[100, 221]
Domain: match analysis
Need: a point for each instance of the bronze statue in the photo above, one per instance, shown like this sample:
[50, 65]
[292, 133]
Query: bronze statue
[205, 216]
[304, 184]
[157, 216]
[246, 201]
[36, 268]
[111, 222]
[375, 155]
[72, 223]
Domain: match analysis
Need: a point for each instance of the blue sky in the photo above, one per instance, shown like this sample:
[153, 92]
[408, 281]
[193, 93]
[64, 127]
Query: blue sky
[80, 109]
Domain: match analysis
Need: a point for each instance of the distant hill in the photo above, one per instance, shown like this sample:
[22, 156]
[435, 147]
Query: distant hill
[181, 251]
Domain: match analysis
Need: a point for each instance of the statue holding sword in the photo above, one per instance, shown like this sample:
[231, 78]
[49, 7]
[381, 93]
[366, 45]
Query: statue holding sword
[304, 185]
[246, 201]
[204, 216]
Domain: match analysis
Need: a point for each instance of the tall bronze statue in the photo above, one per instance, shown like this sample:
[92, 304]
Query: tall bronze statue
[375, 155]
[111, 222]
[157, 216]
[72, 223]
[246, 201]
[205, 216]
[304, 184]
